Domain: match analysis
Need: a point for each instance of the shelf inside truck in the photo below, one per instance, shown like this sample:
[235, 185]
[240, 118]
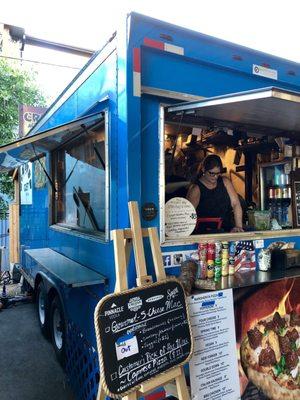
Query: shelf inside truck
[70, 272]
[247, 278]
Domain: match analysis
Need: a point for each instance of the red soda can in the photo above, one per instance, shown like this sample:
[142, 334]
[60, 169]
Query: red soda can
[202, 251]
[202, 269]
[210, 251]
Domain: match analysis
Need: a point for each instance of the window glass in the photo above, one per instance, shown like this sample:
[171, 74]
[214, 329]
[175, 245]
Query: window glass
[81, 182]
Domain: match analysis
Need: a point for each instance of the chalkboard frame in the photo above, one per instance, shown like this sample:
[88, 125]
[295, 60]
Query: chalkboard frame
[99, 341]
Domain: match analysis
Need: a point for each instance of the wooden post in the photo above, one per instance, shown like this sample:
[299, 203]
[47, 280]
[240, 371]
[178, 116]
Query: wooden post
[120, 260]
[138, 246]
[14, 233]
[156, 254]
[14, 209]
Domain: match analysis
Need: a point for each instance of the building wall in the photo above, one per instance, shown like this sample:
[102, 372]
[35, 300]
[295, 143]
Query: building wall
[8, 46]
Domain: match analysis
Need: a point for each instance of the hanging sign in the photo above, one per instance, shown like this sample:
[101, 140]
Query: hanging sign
[142, 333]
[28, 117]
[26, 184]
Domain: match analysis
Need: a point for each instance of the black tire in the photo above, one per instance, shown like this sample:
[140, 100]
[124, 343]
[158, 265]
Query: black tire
[42, 303]
[58, 330]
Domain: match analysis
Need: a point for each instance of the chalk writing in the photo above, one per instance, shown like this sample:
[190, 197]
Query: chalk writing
[144, 340]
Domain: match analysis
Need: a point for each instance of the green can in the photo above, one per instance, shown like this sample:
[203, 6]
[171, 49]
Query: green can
[218, 272]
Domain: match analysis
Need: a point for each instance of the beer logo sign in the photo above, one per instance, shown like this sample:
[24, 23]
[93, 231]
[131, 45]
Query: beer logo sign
[135, 303]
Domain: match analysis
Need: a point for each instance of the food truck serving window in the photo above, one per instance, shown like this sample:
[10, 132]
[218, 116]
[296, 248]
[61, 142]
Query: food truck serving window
[80, 180]
[80, 170]
[231, 165]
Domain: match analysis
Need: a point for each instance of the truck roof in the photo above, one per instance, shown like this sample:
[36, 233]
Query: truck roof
[209, 44]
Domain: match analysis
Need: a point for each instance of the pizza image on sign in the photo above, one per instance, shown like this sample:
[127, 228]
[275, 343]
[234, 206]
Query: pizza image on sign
[270, 355]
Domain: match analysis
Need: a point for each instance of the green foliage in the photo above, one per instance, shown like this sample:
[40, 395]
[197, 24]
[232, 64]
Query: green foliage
[17, 86]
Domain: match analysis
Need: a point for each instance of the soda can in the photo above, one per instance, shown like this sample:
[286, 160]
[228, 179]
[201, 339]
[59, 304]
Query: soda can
[225, 245]
[218, 273]
[210, 269]
[202, 250]
[218, 261]
[225, 267]
[232, 248]
[202, 246]
[278, 193]
[271, 193]
[210, 251]
[225, 254]
[202, 269]
[218, 249]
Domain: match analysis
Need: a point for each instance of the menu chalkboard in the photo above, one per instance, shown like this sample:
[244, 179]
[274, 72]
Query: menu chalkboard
[142, 332]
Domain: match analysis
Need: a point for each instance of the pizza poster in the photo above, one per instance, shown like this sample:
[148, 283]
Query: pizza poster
[213, 367]
[267, 323]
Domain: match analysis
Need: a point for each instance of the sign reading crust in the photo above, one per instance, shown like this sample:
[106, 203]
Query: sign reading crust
[141, 333]
[180, 217]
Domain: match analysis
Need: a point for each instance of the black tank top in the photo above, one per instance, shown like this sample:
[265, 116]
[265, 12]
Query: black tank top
[215, 203]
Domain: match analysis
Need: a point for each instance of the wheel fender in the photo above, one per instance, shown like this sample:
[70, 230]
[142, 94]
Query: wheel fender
[51, 287]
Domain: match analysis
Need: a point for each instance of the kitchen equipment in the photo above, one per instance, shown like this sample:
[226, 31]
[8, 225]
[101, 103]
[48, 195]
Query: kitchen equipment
[276, 191]
[285, 259]
[260, 220]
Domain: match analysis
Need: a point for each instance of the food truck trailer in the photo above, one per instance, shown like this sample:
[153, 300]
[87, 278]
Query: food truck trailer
[134, 124]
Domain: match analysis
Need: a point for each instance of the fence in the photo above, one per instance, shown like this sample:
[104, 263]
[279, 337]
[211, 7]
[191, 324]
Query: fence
[4, 242]
[4, 230]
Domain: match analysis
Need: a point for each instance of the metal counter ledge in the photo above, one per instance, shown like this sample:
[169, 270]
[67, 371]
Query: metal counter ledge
[250, 278]
[70, 272]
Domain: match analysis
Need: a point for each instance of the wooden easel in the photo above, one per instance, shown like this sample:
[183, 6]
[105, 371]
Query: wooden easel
[123, 240]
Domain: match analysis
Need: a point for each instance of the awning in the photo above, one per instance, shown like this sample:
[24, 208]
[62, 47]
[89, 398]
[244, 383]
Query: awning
[268, 110]
[30, 148]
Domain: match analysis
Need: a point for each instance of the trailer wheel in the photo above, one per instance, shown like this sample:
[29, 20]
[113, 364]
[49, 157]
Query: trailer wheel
[58, 329]
[43, 309]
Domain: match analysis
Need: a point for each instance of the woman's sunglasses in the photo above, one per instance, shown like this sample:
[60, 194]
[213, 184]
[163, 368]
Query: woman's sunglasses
[214, 173]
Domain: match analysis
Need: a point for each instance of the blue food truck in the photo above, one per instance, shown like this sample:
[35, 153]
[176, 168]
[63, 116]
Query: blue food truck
[134, 124]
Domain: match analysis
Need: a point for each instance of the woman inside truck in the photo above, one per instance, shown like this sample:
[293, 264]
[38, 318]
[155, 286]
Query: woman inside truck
[215, 199]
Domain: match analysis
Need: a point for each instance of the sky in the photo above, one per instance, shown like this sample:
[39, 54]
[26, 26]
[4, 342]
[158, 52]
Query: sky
[271, 26]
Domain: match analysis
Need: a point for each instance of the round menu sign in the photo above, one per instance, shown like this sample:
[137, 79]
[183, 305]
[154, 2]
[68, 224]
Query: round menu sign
[180, 217]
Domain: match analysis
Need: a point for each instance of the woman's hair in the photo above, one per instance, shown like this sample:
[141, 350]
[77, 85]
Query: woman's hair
[211, 162]
[207, 164]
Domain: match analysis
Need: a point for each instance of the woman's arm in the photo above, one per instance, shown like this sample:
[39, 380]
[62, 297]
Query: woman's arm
[236, 206]
[193, 195]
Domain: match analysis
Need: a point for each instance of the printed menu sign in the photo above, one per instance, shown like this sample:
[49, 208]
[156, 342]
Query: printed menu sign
[143, 332]
[213, 367]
